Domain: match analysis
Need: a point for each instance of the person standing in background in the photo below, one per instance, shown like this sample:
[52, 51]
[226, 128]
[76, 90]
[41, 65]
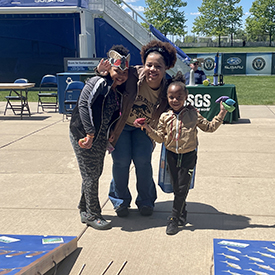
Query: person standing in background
[198, 74]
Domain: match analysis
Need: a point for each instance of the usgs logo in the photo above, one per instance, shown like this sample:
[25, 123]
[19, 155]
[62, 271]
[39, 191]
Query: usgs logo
[199, 101]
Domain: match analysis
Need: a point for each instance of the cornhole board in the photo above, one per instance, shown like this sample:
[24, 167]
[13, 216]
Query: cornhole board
[32, 254]
[164, 175]
[244, 257]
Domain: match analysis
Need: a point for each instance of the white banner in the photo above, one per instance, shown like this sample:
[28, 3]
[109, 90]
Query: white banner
[258, 63]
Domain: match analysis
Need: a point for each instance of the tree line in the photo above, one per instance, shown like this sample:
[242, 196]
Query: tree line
[217, 18]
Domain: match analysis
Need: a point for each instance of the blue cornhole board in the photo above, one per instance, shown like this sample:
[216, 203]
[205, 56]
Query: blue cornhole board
[244, 257]
[21, 253]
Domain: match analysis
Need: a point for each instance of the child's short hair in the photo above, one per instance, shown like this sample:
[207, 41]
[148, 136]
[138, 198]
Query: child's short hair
[178, 80]
[168, 52]
[120, 49]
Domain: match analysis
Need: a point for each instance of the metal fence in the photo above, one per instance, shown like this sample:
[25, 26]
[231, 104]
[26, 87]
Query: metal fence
[128, 21]
[224, 44]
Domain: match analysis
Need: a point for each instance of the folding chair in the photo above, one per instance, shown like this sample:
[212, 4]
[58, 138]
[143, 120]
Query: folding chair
[71, 95]
[15, 96]
[47, 91]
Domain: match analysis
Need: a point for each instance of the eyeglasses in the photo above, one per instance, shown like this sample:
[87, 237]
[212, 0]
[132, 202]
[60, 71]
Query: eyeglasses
[196, 64]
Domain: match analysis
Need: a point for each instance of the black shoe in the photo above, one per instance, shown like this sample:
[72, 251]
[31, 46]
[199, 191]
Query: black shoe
[146, 210]
[83, 216]
[183, 218]
[172, 226]
[122, 211]
[97, 222]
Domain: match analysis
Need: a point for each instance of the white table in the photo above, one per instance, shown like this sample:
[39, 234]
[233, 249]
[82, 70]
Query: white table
[19, 88]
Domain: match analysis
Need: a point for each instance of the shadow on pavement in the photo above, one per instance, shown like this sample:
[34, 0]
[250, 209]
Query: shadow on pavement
[65, 266]
[200, 216]
[31, 118]
[242, 121]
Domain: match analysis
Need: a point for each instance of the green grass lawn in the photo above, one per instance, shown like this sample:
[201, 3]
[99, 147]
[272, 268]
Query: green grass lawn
[251, 90]
[32, 96]
[228, 49]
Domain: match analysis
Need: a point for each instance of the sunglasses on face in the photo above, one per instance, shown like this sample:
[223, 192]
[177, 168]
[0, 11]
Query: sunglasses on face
[196, 64]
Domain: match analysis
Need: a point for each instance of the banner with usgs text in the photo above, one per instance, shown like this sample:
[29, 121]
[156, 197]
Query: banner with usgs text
[203, 98]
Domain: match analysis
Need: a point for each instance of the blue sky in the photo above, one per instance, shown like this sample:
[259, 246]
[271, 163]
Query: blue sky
[191, 10]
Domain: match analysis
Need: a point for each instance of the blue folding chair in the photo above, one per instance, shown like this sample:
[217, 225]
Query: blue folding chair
[47, 91]
[14, 97]
[71, 96]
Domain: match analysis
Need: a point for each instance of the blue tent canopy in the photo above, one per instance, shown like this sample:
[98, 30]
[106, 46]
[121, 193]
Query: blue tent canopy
[181, 54]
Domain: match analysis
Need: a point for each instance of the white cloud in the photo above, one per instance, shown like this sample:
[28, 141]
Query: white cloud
[130, 1]
[138, 8]
[195, 13]
[135, 8]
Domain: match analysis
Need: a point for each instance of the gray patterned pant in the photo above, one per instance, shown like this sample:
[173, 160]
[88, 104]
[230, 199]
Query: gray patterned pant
[90, 163]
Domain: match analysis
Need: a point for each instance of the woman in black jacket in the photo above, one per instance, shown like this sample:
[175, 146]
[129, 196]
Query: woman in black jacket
[97, 109]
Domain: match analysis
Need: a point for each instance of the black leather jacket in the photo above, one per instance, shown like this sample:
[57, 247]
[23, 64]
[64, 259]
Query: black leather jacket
[87, 115]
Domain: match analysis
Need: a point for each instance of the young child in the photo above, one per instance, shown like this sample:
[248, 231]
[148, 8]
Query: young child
[177, 128]
[97, 109]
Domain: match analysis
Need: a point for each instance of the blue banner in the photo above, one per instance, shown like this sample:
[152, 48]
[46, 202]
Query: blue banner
[273, 64]
[233, 63]
[43, 3]
[209, 63]
[238, 63]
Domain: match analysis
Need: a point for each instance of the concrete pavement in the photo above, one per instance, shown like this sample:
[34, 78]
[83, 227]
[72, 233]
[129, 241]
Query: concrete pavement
[233, 196]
